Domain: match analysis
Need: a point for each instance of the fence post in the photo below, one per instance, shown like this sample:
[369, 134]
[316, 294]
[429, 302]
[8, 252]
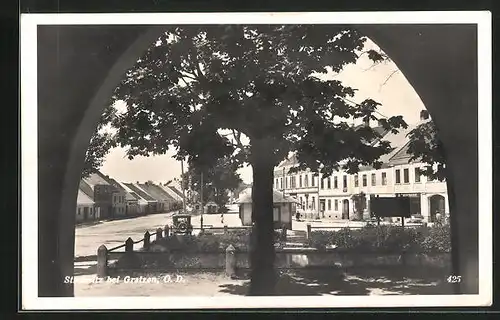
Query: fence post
[167, 231]
[308, 232]
[159, 234]
[225, 229]
[230, 261]
[129, 245]
[102, 261]
[147, 240]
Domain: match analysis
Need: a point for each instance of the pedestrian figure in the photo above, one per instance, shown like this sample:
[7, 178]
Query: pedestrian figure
[297, 216]
[222, 218]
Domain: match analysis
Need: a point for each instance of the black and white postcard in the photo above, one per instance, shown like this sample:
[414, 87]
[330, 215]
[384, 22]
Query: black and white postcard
[256, 160]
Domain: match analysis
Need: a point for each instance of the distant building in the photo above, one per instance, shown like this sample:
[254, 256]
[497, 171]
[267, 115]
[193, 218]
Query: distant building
[102, 194]
[165, 201]
[135, 204]
[331, 196]
[172, 192]
[152, 203]
[85, 210]
[119, 205]
[284, 208]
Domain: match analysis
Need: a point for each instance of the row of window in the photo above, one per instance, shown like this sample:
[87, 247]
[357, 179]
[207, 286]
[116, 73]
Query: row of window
[121, 199]
[328, 181]
[86, 210]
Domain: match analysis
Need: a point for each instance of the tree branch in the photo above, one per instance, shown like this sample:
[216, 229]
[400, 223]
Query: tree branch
[387, 79]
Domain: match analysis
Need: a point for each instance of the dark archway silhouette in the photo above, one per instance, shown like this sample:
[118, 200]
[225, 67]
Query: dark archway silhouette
[80, 66]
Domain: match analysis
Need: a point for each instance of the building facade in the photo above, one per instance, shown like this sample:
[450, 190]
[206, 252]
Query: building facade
[331, 196]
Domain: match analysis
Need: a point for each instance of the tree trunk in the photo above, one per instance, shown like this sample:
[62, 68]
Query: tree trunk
[262, 255]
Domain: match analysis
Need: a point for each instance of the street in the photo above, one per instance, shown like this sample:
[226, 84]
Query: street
[114, 233]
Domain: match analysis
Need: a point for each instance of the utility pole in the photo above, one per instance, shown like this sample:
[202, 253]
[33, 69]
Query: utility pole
[201, 200]
[182, 187]
[283, 181]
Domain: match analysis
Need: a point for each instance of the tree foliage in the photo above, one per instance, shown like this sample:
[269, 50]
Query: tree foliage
[426, 147]
[253, 80]
[100, 144]
[217, 181]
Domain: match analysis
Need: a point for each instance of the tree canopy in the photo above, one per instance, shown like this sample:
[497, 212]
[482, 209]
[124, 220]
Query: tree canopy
[217, 181]
[262, 81]
[268, 83]
[426, 147]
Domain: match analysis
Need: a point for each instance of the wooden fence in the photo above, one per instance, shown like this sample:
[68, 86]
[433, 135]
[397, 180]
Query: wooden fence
[104, 255]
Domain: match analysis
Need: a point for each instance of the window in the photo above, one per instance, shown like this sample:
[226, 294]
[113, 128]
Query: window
[335, 183]
[114, 196]
[364, 180]
[406, 175]
[306, 180]
[281, 183]
[417, 175]
[384, 178]
[336, 205]
[300, 181]
[276, 184]
[322, 183]
[79, 210]
[313, 179]
[313, 204]
[329, 204]
[328, 183]
[344, 181]
[374, 179]
[356, 181]
[398, 176]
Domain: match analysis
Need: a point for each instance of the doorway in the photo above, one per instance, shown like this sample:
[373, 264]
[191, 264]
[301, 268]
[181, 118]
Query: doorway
[436, 204]
[345, 209]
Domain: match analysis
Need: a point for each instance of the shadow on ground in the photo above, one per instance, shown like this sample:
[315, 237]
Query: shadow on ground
[303, 282]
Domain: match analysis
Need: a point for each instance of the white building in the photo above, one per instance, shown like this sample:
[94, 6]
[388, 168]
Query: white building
[85, 210]
[331, 197]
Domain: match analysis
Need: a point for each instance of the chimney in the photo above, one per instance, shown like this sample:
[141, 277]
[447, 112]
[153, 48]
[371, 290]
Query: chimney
[366, 122]
[424, 115]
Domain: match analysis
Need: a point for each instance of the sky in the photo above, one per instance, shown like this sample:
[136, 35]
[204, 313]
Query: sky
[381, 82]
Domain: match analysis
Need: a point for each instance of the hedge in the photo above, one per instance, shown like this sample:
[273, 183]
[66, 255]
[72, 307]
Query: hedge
[207, 242]
[388, 239]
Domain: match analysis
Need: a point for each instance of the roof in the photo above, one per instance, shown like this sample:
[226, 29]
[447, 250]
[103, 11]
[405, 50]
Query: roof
[278, 197]
[96, 179]
[174, 189]
[156, 192]
[129, 194]
[86, 189]
[83, 199]
[172, 193]
[140, 192]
